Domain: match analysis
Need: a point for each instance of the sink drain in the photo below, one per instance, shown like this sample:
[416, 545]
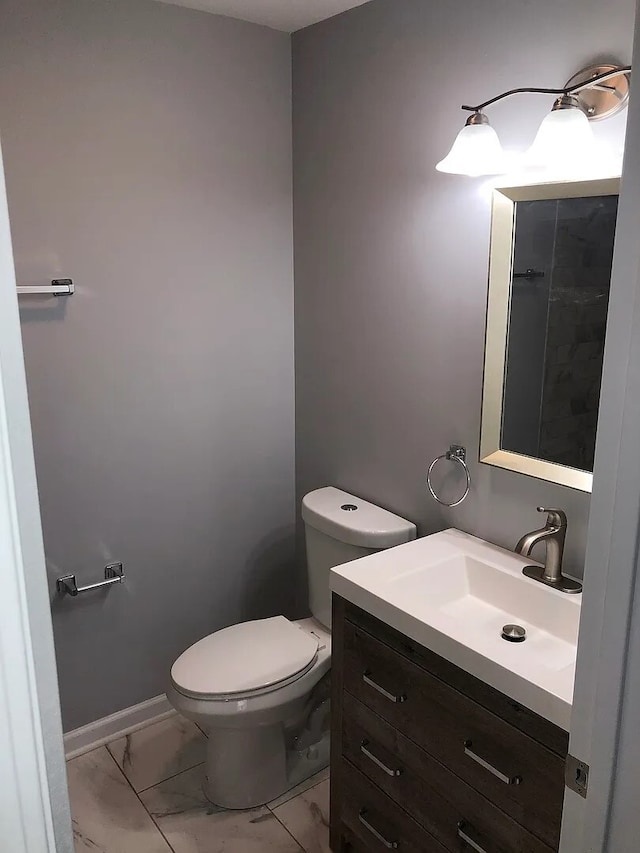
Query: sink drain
[514, 633]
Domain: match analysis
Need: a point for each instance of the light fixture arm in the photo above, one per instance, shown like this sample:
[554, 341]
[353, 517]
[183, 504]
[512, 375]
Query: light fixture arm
[568, 90]
[595, 92]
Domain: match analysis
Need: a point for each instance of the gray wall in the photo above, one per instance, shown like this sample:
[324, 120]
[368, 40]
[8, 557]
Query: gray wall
[148, 157]
[391, 256]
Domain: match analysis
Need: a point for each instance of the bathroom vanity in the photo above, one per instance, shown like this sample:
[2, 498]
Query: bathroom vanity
[427, 757]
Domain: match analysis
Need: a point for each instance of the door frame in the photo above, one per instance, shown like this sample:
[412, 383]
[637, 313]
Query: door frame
[34, 806]
[611, 604]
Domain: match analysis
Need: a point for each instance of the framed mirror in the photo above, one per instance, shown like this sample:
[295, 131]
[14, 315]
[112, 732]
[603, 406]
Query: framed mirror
[549, 277]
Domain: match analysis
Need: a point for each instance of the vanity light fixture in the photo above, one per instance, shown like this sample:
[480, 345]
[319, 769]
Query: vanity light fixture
[564, 137]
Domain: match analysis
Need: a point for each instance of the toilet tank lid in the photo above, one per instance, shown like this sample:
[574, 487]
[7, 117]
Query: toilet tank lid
[353, 521]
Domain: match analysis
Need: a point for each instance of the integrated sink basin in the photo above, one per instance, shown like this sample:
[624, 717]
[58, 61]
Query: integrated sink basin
[454, 594]
[473, 600]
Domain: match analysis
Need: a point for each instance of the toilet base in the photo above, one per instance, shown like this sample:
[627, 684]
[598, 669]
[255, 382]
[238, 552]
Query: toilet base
[245, 766]
[249, 768]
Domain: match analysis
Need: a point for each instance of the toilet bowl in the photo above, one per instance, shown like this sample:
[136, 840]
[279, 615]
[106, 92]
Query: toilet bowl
[260, 689]
[251, 687]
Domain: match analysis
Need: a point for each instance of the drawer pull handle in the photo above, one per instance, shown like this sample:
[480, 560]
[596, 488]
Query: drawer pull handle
[390, 696]
[390, 845]
[463, 834]
[508, 780]
[388, 770]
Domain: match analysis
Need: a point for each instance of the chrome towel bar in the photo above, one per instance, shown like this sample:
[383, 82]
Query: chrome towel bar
[67, 585]
[58, 287]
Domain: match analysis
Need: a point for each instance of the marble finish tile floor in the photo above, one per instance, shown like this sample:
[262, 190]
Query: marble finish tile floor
[157, 752]
[143, 794]
[307, 818]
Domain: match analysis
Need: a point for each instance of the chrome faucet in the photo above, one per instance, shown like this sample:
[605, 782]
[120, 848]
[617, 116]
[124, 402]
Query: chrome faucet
[553, 535]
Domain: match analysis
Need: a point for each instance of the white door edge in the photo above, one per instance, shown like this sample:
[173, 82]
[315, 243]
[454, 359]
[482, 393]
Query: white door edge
[608, 612]
[34, 810]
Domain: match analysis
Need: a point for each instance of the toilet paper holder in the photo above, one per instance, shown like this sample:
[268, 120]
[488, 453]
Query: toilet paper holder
[67, 584]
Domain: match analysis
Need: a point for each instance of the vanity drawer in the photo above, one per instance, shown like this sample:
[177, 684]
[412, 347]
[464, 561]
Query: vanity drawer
[541, 730]
[377, 822]
[519, 775]
[431, 794]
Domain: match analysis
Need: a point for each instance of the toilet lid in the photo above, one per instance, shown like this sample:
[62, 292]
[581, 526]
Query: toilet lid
[244, 657]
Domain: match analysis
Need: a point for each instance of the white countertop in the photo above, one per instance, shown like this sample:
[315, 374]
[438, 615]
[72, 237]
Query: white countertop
[452, 593]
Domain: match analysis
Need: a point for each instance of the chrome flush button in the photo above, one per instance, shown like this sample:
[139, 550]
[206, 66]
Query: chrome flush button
[514, 634]
[349, 507]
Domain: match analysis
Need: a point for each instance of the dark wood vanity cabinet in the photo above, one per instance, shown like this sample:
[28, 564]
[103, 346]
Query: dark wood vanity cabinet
[425, 757]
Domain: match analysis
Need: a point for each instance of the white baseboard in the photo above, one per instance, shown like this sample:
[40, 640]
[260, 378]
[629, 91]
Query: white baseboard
[116, 725]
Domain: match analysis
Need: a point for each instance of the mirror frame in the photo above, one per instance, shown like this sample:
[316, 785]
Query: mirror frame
[503, 211]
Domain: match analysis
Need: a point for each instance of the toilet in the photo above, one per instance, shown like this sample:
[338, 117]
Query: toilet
[260, 689]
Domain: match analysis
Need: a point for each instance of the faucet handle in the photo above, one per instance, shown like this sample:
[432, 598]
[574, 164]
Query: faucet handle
[555, 517]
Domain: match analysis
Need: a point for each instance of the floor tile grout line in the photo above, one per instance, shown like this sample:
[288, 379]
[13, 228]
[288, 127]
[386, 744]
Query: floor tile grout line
[288, 831]
[295, 796]
[169, 778]
[304, 850]
[153, 821]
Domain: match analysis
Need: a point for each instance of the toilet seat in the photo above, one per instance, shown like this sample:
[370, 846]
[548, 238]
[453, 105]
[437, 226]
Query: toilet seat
[245, 660]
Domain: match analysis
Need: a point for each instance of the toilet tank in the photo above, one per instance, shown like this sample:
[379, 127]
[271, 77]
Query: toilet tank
[340, 527]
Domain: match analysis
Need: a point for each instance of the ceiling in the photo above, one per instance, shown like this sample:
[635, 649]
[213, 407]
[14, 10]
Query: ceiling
[287, 15]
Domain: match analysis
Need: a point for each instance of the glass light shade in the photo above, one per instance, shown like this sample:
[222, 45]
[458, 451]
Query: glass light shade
[476, 151]
[564, 138]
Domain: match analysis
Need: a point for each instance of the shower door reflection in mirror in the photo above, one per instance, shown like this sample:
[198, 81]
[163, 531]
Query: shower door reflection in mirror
[549, 311]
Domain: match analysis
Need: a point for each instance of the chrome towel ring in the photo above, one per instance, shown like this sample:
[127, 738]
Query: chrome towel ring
[456, 453]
